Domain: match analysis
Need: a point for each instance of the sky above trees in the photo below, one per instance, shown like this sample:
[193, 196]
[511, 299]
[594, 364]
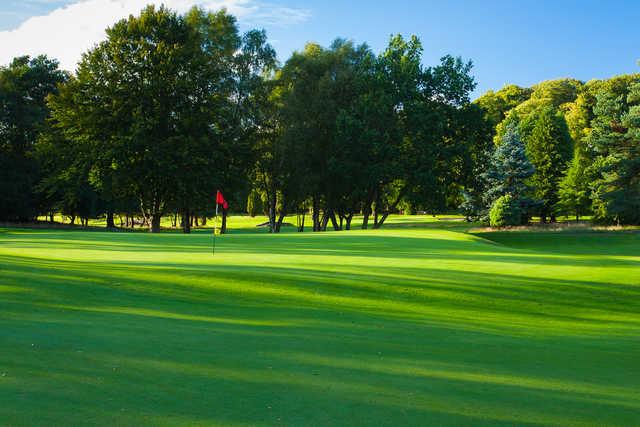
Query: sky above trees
[509, 42]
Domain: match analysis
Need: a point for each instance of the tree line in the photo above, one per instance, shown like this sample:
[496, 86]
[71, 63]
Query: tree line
[170, 108]
[562, 147]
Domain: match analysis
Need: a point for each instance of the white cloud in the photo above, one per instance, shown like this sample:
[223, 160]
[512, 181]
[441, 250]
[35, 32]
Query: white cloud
[68, 31]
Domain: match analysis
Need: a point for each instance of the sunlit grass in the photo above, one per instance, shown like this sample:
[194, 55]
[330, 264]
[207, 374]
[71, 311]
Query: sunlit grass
[420, 323]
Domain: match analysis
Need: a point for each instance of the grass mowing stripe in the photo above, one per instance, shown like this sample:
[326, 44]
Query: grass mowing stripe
[400, 326]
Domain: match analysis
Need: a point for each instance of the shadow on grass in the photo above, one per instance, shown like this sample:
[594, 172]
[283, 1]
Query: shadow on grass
[135, 342]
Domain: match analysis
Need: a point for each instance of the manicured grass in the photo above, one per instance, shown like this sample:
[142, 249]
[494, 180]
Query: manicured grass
[401, 326]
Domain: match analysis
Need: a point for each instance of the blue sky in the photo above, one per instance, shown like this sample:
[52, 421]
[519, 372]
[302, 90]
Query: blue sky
[520, 42]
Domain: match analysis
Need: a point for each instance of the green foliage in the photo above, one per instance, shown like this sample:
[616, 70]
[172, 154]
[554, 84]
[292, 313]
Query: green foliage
[549, 147]
[358, 131]
[556, 92]
[615, 139]
[596, 122]
[509, 169]
[254, 203]
[496, 105]
[472, 206]
[575, 188]
[506, 211]
[170, 119]
[170, 108]
[24, 87]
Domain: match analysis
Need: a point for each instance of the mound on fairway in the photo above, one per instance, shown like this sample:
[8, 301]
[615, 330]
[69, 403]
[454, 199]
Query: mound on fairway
[416, 326]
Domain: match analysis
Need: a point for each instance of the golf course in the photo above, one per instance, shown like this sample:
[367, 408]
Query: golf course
[424, 322]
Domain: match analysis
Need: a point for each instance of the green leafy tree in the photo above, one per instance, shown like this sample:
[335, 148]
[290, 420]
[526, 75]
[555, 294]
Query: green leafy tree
[65, 175]
[325, 95]
[432, 106]
[24, 87]
[162, 105]
[496, 105]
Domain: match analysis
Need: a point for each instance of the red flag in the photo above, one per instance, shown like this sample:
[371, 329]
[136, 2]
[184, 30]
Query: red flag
[221, 201]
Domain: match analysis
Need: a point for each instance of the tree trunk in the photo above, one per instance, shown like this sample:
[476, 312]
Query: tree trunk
[186, 221]
[110, 222]
[204, 221]
[301, 226]
[543, 215]
[366, 209]
[279, 222]
[315, 216]
[348, 219]
[365, 217]
[332, 217]
[324, 221]
[378, 223]
[73, 219]
[155, 222]
[195, 219]
[51, 217]
[272, 212]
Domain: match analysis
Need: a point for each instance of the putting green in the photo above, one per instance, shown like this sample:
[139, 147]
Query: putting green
[401, 326]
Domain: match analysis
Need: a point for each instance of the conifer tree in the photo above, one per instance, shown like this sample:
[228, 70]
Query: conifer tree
[574, 192]
[618, 136]
[549, 147]
[509, 168]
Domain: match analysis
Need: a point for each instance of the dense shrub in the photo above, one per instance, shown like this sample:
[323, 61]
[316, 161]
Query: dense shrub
[506, 211]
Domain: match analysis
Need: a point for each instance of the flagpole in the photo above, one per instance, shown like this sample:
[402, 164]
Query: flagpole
[215, 225]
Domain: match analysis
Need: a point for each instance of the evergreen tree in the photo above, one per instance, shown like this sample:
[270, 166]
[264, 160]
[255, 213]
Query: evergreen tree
[620, 182]
[549, 147]
[509, 168]
[575, 192]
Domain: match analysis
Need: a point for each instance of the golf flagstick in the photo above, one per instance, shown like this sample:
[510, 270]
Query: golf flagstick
[215, 225]
[219, 201]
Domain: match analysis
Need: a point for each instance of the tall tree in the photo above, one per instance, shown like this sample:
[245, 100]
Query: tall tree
[24, 87]
[162, 106]
[616, 138]
[549, 147]
[510, 169]
[430, 104]
[574, 190]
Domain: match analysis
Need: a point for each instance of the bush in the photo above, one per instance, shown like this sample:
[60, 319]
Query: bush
[506, 211]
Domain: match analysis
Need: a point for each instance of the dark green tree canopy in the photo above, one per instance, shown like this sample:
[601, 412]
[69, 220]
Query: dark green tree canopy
[24, 87]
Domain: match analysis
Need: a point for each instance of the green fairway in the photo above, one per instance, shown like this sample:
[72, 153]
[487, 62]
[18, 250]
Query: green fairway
[401, 326]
